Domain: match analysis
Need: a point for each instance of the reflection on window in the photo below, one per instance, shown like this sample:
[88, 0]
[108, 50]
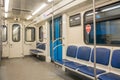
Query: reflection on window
[4, 33]
[29, 34]
[107, 26]
[41, 34]
[16, 32]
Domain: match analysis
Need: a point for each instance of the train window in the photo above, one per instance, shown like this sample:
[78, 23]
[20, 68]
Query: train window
[4, 34]
[107, 25]
[30, 34]
[41, 34]
[16, 32]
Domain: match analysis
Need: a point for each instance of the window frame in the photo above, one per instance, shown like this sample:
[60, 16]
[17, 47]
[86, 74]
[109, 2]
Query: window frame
[26, 34]
[116, 17]
[19, 33]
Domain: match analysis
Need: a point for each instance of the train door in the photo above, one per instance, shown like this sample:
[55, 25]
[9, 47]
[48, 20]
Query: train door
[57, 47]
[15, 40]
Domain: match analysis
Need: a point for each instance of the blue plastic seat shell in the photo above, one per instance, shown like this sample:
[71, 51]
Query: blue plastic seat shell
[73, 65]
[89, 70]
[109, 76]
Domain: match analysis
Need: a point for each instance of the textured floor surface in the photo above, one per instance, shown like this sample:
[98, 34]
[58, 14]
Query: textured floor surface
[30, 68]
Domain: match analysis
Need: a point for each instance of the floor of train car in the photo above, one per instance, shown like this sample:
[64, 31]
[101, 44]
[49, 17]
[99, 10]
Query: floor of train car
[30, 68]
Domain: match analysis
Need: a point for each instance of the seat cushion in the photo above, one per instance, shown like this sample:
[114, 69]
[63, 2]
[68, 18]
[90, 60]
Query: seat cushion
[109, 76]
[62, 61]
[35, 51]
[89, 70]
[73, 65]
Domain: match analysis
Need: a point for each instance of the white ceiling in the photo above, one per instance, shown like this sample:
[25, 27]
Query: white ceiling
[23, 8]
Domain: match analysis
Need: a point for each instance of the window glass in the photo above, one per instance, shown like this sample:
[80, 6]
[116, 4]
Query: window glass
[107, 25]
[16, 32]
[41, 34]
[29, 34]
[4, 33]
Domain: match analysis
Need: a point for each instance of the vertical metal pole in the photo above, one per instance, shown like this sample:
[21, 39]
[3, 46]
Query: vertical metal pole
[94, 23]
[0, 33]
[53, 29]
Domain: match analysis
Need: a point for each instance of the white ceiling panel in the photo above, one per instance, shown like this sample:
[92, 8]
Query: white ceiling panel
[24, 8]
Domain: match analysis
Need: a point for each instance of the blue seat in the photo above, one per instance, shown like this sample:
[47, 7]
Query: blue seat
[84, 53]
[115, 62]
[62, 61]
[109, 76]
[89, 70]
[73, 65]
[71, 52]
[35, 51]
[102, 57]
[41, 46]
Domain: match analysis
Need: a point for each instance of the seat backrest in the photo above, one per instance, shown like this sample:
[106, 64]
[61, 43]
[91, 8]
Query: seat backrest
[84, 53]
[41, 46]
[71, 51]
[102, 56]
[115, 62]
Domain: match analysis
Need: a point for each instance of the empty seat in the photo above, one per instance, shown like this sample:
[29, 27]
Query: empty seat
[115, 63]
[63, 61]
[40, 47]
[71, 52]
[89, 70]
[83, 53]
[102, 57]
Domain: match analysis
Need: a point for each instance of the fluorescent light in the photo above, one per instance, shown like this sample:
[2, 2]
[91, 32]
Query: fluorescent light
[6, 5]
[6, 15]
[50, 0]
[29, 17]
[40, 8]
[111, 8]
[91, 14]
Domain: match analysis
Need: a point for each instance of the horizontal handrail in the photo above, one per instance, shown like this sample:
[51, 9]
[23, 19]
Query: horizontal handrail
[58, 39]
[58, 46]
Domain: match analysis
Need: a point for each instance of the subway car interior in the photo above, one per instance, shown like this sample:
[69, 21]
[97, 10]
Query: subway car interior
[59, 39]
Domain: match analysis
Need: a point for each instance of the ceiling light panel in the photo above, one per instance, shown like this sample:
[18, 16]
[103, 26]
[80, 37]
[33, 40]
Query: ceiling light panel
[29, 17]
[6, 5]
[40, 8]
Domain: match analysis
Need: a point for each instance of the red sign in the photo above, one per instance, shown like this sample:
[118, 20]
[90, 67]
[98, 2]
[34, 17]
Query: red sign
[88, 28]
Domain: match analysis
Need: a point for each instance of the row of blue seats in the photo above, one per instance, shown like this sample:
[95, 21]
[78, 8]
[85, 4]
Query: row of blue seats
[103, 57]
[40, 47]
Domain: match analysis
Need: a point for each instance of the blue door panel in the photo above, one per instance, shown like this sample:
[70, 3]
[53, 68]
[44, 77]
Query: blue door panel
[58, 51]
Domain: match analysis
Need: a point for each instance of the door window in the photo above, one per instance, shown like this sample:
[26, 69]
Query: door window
[30, 34]
[4, 33]
[16, 32]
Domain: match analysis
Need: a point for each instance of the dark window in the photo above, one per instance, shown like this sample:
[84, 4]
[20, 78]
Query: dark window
[107, 25]
[4, 33]
[75, 20]
[16, 32]
[41, 34]
[30, 34]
